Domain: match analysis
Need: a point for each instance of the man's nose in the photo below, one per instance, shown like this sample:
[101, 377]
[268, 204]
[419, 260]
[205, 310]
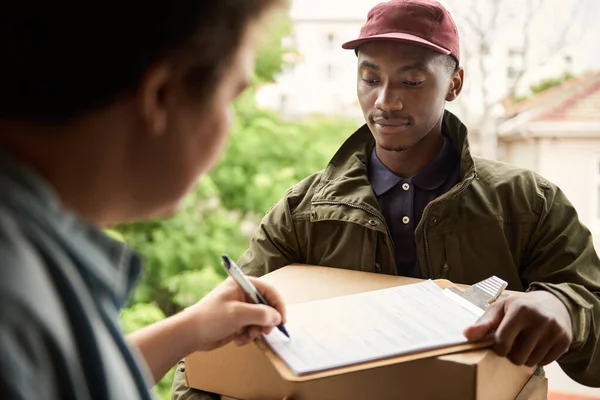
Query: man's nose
[389, 99]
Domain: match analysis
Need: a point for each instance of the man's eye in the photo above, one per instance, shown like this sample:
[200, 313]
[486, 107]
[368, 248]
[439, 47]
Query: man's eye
[370, 81]
[411, 83]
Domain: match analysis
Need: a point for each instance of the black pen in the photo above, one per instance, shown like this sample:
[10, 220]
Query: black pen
[238, 275]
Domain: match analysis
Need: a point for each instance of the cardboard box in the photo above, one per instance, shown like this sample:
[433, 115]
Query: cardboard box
[536, 388]
[254, 372]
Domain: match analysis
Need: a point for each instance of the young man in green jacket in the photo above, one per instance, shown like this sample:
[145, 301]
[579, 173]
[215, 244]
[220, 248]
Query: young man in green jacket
[404, 195]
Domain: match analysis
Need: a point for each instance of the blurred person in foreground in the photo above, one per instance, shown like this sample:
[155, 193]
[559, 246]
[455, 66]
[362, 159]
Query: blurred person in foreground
[110, 116]
[405, 196]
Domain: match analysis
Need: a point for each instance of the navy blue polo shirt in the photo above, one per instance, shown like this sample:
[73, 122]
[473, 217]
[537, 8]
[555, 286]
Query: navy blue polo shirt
[402, 200]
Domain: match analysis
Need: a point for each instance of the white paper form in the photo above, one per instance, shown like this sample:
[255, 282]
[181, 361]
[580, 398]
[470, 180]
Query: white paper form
[367, 326]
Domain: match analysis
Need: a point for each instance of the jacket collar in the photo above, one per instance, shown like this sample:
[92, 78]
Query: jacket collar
[429, 178]
[346, 176]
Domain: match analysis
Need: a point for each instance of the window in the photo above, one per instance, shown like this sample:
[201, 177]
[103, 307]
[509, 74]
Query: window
[511, 72]
[514, 53]
[484, 48]
[330, 40]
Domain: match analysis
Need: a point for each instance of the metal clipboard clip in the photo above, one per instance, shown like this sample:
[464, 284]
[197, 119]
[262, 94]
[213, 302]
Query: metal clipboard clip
[483, 293]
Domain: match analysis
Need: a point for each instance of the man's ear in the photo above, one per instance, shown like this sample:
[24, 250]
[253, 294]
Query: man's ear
[153, 93]
[456, 84]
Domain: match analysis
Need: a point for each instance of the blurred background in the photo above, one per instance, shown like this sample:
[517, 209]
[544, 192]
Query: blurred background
[531, 98]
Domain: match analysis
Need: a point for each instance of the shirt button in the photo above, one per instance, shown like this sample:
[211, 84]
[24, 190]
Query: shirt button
[405, 186]
[405, 220]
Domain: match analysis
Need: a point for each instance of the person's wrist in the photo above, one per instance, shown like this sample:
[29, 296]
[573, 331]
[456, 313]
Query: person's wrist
[190, 327]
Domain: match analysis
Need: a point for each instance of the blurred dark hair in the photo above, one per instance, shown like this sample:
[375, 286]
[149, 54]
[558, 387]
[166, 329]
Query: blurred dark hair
[61, 60]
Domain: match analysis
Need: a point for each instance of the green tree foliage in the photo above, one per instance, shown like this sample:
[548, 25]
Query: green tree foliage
[544, 85]
[272, 50]
[264, 157]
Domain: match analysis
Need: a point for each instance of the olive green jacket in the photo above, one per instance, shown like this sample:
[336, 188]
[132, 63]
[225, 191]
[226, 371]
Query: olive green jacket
[498, 220]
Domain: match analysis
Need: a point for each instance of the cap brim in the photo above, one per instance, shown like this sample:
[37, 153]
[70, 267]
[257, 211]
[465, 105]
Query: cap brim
[397, 36]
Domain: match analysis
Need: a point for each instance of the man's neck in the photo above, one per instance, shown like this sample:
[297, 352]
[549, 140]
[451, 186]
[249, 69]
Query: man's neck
[407, 163]
[72, 164]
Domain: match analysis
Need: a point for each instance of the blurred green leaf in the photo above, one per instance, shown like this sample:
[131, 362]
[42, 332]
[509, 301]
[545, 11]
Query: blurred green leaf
[190, 286]
[140, 315]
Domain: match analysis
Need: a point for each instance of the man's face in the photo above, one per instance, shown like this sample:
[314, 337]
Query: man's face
[193, 136]
[402, 89]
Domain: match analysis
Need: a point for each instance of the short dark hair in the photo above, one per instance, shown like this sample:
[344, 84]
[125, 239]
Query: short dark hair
[59, 60]
[451, 63]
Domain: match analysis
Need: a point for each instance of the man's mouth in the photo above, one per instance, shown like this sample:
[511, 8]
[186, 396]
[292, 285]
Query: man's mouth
[391, 126]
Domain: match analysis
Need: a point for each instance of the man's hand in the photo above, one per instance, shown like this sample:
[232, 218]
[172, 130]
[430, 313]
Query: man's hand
[529, 328]
[221, 316]
[224, 315]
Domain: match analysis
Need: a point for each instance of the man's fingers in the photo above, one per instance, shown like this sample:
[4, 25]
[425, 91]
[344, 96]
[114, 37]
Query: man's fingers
[267, 330]
[554, 353]
[488, 322]
[507, 331]
[254, 332]
[271, 295]
[242, 339]
[247, 335]
[525, 344]
[543, 347]
[256, 314]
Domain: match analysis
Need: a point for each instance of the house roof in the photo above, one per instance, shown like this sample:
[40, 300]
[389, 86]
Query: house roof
[569, 109]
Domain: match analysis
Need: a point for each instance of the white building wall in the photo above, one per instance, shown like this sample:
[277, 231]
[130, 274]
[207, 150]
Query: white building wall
[571, 163]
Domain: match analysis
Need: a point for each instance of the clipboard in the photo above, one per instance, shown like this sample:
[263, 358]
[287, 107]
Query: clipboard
[480, 295]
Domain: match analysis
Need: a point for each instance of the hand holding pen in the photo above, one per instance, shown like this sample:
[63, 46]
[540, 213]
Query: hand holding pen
[246, 285]
[225, 314]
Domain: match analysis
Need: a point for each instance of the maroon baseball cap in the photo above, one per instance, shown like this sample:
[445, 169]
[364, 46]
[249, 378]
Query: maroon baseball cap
[423, 22]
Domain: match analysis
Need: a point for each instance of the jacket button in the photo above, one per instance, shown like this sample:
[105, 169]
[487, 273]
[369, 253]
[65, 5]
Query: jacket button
[378, 267]
[445, 268]
[372, 222]
[434, 221]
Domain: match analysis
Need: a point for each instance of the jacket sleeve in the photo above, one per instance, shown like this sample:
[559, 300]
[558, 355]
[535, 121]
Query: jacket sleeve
[180, 391]
[275, 243]
[562, 260]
